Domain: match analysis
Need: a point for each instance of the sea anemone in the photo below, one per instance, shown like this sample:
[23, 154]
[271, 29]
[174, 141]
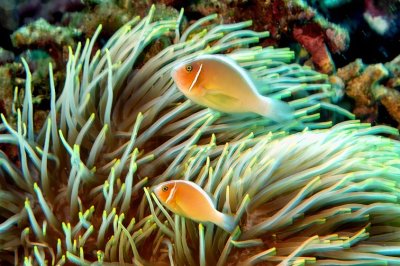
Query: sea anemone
[79, 190]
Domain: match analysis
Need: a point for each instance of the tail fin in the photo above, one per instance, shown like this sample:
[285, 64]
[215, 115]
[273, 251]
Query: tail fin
[276, 110]
[225, 221]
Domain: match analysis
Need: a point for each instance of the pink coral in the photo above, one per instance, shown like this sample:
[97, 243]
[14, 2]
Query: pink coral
[314, 43]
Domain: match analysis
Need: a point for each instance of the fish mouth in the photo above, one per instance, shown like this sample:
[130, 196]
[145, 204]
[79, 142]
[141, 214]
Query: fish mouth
[156, 190]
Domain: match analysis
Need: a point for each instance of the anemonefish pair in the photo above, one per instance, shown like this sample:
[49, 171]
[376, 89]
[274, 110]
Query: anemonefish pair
[218, 82]
[188, 199]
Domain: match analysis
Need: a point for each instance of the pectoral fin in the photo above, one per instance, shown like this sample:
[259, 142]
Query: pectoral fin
[223, 101]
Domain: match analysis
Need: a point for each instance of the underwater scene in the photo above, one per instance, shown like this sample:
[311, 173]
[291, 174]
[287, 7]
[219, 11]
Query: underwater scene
[173, 132]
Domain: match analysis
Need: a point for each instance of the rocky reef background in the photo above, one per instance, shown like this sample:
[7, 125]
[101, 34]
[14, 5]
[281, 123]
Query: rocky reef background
[354, 41]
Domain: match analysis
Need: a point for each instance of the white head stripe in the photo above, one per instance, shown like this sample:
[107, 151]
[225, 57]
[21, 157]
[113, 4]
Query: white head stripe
[195, 78]
[171, 194]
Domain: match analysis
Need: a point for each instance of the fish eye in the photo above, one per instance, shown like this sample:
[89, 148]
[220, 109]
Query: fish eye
[165, 188]
[189, 68]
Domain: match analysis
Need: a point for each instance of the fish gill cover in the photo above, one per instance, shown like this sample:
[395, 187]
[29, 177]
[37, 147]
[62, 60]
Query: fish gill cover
[79, 191]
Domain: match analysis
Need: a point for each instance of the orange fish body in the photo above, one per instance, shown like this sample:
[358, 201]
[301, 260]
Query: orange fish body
[218, 82]
[188, 199]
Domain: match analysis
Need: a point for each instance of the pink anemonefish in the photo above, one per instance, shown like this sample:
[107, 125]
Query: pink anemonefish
[189, 200]
[218, 82]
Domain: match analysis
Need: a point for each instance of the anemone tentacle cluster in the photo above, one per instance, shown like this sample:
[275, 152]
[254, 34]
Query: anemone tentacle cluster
[79, 191]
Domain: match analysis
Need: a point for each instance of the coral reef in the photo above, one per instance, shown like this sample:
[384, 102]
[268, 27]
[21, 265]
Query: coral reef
[287, 20]
[112, 15]
[41, 34]
[390, 99]
[79, 191]
[6, 56]
[372, 25]
[12, 82]
[374, 90]
[39, 42]
[318, 31]
[382, 16]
